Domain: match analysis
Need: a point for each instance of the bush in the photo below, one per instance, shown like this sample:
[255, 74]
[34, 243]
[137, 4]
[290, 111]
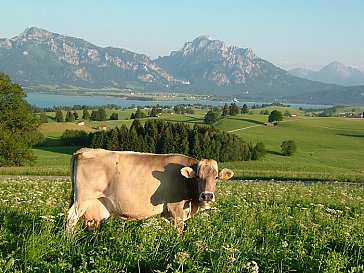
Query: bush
[74, 138]
[288, 147]
[258, 151]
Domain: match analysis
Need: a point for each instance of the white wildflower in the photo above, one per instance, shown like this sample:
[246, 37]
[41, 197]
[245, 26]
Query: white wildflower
[252, 267]
[181, 257]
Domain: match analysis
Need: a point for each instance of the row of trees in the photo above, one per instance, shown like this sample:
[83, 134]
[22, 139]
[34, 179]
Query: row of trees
[165, 137]
[214, 114]
[96, 115]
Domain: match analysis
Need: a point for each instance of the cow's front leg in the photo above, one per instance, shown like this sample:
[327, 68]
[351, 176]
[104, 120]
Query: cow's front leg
[178, 214]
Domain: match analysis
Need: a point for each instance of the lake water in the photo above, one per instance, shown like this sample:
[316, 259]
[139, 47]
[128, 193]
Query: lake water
[48, 100]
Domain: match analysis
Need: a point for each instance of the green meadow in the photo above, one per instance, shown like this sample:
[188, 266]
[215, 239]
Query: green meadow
[252, 227]
[328, 148]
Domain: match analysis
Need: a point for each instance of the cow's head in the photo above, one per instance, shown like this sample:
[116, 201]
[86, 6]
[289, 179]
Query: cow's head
[206, 175]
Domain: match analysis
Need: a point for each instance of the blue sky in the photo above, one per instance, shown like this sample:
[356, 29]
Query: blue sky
[288, 33]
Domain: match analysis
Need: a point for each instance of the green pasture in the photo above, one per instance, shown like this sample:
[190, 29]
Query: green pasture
[328, 148]
[252, 227]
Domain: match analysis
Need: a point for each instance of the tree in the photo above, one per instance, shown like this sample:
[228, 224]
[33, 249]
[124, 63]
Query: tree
[43, 117]
[258, 151]
[75, 114]
[69, 117]
[287, 113]
[245, 109]
[275, 115]
[233, 109]
[99, 115]
[85, 114]
[154, 112]
[288, 147]
[18, 126]
[211, 117]
[59, 116]
[225, 111]
[138, 114]
[114, 116]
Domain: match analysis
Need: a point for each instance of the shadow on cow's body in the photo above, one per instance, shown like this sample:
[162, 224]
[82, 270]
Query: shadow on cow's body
[135, 186]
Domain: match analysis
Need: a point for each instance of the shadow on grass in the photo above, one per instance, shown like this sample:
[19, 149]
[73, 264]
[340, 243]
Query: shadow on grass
[52, 142]
[59, 149]
[274, 153]
[248, 120]
[191, 120]
[351, 135]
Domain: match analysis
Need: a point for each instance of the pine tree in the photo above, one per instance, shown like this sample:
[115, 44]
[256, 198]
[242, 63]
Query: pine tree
[59, 116]
[69, 117]
[114, 116]
[43, 117]
[211, 117]
[233, 109]
[85, 114]
[245, 109]
[75, 115]
[225, 111]
[123, 138]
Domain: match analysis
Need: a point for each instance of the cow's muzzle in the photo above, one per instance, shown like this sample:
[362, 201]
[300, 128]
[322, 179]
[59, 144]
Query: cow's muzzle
[207, 196]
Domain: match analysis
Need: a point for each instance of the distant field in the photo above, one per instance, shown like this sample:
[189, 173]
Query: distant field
[328, 148]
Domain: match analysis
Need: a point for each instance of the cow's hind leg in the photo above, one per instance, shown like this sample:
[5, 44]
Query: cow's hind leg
[74, 213]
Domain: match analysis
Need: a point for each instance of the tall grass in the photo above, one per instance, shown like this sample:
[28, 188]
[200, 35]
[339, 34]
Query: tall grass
[275, 227]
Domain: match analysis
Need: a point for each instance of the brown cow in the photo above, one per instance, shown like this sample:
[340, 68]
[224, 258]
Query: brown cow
[134, 186]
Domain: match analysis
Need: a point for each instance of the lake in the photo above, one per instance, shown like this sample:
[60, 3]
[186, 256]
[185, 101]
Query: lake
[49, 100]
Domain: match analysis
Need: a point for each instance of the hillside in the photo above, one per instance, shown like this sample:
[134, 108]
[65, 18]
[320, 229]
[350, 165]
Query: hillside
[351, 95]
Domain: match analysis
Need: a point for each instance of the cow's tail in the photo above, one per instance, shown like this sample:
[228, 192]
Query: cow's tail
[73, 179]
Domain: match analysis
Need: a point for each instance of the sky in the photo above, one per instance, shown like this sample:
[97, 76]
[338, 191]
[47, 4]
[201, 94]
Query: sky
[288, 33]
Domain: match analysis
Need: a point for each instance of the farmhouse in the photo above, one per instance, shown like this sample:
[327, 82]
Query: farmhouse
[102, 127]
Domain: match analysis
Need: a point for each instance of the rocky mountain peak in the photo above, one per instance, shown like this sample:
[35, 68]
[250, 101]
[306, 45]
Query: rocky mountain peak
[33, 34]
[337, 68]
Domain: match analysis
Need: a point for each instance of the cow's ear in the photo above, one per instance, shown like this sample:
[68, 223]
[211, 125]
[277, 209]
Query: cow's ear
[188, 172]
[225, 174]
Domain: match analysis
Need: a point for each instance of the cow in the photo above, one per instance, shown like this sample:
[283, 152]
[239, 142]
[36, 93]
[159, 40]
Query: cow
[136, 186]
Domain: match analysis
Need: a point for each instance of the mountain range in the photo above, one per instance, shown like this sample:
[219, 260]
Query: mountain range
[334, 72]
[43, 61]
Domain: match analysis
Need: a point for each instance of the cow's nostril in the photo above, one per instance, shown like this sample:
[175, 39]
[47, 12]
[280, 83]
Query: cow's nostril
[209, 196]
[203, 196]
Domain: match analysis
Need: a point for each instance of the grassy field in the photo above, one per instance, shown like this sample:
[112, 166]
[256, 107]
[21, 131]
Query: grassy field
[270, 227]
[328, 148]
